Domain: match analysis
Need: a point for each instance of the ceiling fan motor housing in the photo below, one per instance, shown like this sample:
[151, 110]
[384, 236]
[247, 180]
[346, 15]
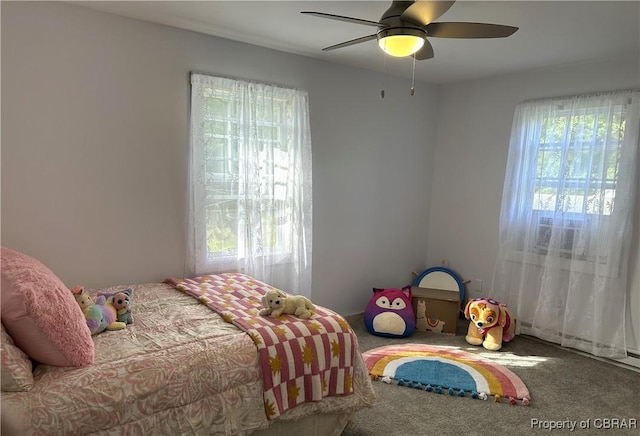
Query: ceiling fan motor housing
[404, 30]
[395, 10]
[393, 25]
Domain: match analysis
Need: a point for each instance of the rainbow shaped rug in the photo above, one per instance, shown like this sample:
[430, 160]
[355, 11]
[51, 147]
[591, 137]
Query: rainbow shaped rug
[445, 370]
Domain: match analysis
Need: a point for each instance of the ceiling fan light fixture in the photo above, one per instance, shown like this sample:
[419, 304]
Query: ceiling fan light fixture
[401, 42]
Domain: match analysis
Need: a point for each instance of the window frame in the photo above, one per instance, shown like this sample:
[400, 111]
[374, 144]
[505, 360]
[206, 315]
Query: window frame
[275, 254]
[577, 222]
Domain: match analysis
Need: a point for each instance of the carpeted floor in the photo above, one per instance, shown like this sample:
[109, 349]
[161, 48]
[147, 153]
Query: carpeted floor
[568, 391]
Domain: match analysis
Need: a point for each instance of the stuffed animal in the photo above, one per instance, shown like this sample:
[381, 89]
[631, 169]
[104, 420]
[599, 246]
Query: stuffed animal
[389, 313]
[276, 303]
[102, 316]
[83, 299]
[122, 302]
[491, 323]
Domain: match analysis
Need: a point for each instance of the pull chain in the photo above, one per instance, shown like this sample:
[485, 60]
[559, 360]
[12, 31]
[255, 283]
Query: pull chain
[413, 75]
[384, 75]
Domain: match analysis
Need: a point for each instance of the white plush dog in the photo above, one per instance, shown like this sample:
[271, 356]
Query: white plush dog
[276, 303]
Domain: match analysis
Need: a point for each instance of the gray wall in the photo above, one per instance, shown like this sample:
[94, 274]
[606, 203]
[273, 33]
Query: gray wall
[474, 125]
[95, 140]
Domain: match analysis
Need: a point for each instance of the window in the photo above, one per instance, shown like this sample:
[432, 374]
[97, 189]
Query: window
[223, 167]
[251, 178]
[577, 161]
[565, 221]
[577, 152]
[565, 164]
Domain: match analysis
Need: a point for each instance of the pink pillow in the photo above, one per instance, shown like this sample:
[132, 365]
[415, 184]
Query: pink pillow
[41, 315]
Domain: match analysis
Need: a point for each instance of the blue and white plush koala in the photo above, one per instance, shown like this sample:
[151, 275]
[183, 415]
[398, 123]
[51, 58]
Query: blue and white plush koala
[121, 300]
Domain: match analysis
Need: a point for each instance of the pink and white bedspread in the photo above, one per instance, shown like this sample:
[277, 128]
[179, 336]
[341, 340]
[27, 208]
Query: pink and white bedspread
[301, 360]
[179, 369]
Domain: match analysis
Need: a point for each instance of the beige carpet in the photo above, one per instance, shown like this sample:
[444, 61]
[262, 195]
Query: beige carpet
[568, 391]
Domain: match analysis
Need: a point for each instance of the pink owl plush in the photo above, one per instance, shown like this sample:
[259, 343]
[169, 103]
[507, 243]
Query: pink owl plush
[390, 313]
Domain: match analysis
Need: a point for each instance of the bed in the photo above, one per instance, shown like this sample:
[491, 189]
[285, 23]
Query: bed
[180, 368]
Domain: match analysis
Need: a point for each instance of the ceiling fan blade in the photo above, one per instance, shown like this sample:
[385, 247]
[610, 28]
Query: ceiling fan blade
[469, 30]
[424, 12]
[426, 52]
[351, 42]
[343, 18]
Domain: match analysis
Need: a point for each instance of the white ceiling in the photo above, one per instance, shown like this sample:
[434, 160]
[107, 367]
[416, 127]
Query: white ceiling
[551, 32]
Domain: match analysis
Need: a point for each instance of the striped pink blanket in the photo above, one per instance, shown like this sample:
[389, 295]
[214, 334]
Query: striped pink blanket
[301, 360]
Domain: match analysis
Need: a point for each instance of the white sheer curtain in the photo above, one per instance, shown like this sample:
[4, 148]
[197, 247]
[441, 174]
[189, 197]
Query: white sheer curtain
[250, 182]
[566, 219]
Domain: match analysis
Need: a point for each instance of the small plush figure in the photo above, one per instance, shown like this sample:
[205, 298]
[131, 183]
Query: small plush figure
[102, 316]
[83, 299]
[491, 323]
[276, 303]
[389, 313]
[122, 302]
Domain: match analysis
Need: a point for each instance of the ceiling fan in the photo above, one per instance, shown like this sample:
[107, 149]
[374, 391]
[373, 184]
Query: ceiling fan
[404, 27]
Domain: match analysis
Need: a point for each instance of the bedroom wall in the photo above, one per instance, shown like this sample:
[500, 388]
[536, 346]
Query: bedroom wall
[472, 143]
[95, 141]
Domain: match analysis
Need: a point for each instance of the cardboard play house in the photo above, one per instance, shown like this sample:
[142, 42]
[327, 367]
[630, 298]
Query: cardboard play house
[436, 297]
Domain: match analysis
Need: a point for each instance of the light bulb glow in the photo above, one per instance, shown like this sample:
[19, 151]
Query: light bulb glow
[400, 45]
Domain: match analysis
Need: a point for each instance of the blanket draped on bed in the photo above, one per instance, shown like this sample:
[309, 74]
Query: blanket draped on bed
[301, 360]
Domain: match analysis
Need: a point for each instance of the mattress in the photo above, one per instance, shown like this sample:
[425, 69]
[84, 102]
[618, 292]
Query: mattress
[178, 369]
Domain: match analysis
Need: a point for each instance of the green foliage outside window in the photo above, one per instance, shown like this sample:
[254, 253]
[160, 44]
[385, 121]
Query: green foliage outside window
[581, 176]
